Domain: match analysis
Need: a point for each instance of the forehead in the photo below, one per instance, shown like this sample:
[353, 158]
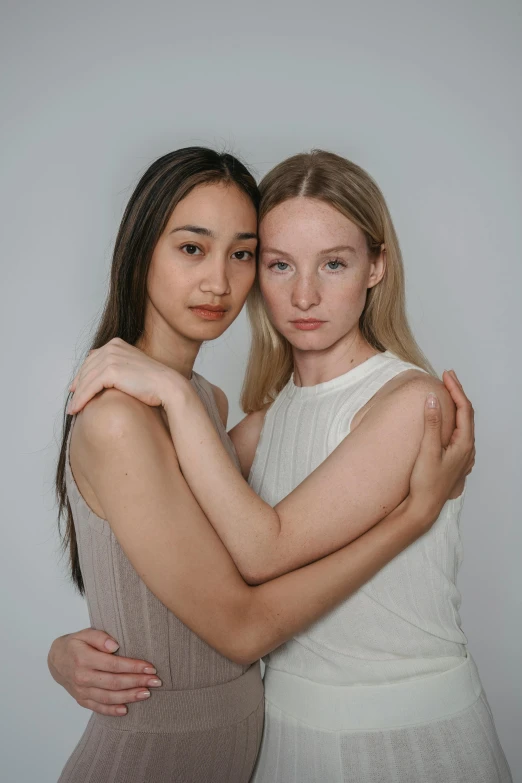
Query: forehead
[304, 219]
[212, 204]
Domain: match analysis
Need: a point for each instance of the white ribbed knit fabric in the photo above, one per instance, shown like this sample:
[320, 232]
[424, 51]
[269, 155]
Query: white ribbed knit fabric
[382, 688]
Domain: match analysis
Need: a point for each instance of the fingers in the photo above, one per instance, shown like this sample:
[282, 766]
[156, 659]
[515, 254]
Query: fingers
[464, 433]
[87, 391]
[115, 711]
[97, 679]
[432, 439]
[98, 639]
[89, 658]
[97, 373]
[94, 649]
[115, 697]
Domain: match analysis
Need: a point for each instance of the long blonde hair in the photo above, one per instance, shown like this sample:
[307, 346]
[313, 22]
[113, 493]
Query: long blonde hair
[383, 323]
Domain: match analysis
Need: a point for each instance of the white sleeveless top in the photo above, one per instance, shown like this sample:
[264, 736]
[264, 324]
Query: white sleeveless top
[403, 623]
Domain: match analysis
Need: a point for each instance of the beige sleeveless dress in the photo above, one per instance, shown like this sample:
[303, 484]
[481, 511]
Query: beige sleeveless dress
[205, 723]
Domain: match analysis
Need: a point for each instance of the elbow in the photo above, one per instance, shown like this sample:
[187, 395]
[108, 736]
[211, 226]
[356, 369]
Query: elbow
[258, 569]
[254, 576]
[252, 636]
[241, 647]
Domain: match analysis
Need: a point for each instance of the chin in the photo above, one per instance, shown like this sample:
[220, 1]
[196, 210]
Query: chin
[309, 341]
[207, 330]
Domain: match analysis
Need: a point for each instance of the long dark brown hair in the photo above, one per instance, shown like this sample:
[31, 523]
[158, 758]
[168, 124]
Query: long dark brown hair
[165, 183]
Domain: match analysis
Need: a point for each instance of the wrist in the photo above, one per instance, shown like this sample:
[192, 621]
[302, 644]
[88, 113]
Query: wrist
[421, 515]
[176, 391]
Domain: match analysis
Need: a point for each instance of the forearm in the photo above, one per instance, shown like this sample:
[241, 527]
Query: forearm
[335, 505]
[249, 528]
[287, 605]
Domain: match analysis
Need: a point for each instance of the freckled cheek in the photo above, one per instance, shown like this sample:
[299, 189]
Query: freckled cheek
[343, 304]
[276, 299]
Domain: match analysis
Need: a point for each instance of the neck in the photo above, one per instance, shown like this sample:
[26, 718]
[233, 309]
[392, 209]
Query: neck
[165, 345]
[313, 367]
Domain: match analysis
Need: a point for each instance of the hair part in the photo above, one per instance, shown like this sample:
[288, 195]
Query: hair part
[164, 184]
[384, 325]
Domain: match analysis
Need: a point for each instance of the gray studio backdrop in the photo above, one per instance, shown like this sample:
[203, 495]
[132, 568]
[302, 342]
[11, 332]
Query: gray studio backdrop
[424, 95]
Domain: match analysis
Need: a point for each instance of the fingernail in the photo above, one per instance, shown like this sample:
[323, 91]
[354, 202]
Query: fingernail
[432, 401]
[149, 670]
[143, 695]
[121, 710]
[154, 683]
[111, 645]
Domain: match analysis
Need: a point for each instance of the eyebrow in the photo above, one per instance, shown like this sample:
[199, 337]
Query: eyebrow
[321, 253]
[337, 249]
[206, 232]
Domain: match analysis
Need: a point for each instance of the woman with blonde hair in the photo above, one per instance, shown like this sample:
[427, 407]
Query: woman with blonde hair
[335, 389]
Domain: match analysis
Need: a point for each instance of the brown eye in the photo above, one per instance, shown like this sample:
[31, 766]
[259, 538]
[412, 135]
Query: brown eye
[243, 255]
[191, 250]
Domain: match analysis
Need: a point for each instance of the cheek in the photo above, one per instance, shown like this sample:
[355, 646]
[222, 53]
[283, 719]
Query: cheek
[241, 281]
[167, 286]
[274, 296]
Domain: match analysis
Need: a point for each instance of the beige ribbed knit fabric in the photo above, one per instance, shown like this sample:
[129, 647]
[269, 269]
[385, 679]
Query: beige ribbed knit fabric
[205, 723]
[399, 637]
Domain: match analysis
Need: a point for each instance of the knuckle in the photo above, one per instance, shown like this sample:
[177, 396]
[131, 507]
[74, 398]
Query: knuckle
[113, 664]
[79, 678]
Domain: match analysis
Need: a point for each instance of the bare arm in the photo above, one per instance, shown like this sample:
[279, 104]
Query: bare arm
[338, 502]
[132, 468]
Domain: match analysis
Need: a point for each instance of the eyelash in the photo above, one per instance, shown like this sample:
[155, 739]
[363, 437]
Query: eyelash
[191, 244]
[332, 261]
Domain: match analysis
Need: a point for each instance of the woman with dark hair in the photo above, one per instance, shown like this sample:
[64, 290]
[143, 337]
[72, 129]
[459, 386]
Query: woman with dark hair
[155, 573]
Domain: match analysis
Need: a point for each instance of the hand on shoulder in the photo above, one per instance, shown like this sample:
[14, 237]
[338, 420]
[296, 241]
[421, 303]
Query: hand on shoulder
[405, 396]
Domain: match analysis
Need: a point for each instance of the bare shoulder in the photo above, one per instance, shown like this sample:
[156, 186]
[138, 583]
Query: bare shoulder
[115, 433]
[407, 392]
[221, 402]
[114, 420]
[245, 437]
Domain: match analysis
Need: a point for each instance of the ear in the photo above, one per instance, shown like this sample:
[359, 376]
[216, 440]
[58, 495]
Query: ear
[377, 268]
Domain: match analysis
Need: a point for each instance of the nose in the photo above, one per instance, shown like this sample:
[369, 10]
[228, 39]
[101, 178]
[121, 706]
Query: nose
[215, 279]
[305, 292]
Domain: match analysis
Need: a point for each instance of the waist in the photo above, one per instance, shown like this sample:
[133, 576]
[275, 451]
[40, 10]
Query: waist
[168, 712]
[367, 707]
[392, 661]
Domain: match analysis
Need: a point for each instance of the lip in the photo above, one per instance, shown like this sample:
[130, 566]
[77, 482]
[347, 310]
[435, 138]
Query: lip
[209, 312]
[307, 324]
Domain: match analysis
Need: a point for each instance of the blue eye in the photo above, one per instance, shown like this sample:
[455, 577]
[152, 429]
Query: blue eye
[281, 266]
[335, 265]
